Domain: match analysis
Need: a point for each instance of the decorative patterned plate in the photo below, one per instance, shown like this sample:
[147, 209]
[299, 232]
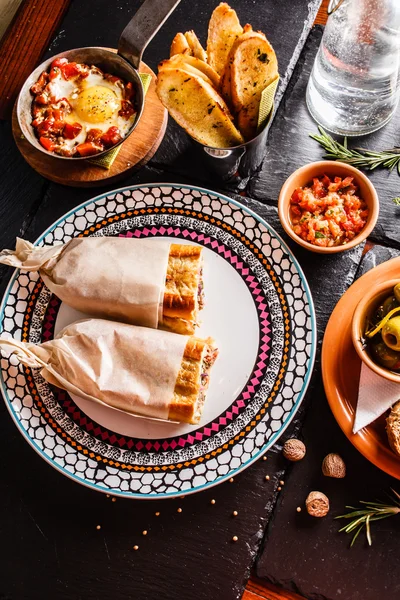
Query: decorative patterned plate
[341, 371]
[258, 308]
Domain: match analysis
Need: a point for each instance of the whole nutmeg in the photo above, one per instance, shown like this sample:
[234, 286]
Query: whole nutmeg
[333, 466]
[294, 450]
[317, 504]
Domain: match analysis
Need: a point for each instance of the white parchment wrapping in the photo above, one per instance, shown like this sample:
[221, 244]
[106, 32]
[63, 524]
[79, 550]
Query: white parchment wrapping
[133, 369]
[115, 278]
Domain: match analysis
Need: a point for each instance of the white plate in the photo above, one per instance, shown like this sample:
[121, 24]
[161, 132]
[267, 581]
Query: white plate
[258, 308]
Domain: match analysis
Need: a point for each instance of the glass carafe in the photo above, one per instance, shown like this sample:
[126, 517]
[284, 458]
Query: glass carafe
[355, 82]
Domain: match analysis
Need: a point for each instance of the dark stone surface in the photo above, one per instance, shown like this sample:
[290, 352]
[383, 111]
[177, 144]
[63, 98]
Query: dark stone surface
[308, 555]
[290, 147]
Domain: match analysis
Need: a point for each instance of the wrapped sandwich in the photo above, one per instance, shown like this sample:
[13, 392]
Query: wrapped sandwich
[151, 283]
[137, 370]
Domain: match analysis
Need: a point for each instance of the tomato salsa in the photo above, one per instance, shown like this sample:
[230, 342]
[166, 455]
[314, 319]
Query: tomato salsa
[328, 212]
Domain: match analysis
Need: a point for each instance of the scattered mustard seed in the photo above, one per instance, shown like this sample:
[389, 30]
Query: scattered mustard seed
[179, 510]
[235, 538]
[279, 488]
[231, 480]
[144, 532]
[267, 478]
[98, 526]
[136, 547]
[235, 513]
[264, 458]
[213, 501]
[281, 483]
[157, 514]
[113, 499]
[298, 509]
[108, 495]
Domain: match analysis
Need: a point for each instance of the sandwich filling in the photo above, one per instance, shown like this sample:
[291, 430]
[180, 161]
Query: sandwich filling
[184, 289]
[193, 380]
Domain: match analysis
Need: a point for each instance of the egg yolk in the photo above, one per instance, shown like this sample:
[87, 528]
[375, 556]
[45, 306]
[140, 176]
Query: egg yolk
[96, 104]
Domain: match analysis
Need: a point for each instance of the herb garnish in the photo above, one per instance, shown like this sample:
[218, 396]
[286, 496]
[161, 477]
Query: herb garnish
[373, 511]
[318, 234]
[358, 157]
[263, 58]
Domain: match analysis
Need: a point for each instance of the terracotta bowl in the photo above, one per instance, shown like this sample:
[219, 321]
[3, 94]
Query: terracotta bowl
[304, 175]
[364, 311]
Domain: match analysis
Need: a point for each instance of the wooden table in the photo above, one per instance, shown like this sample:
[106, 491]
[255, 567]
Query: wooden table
[29, 204]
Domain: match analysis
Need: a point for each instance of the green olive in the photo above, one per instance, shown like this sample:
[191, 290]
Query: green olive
[396, 291]
[391, 334]
[389, 304]
[384, 356]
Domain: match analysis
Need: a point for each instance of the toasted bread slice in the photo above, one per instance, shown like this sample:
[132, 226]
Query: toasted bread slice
[198, 108]
[195, 46]
[393, 428]
[192, 381]
[193, 65]
[182, 282]
[167, 66]
[179, 45]
[226, 78]
[253, 66]
[223, 29]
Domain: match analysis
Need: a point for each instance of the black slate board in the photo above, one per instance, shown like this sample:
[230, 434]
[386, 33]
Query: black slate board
[308, 555]
[290, 147]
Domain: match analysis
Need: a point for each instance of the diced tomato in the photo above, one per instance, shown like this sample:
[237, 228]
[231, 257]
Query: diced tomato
[47, 144]
[318, 188]
[50, 127]
[54, 73]
[36, 110]
[296, 211]
[38, 87]
[129, 91]
[59, 62]
[42, 99]
[126, 109]
[297, 196]
[88, 149]
[74, 69]
[71, 130]
[111, 137]
[326, 181]
[94, 135]
[346, 182]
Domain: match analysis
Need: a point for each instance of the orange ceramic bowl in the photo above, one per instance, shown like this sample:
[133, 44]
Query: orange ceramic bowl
[363, 312]
[304, 176]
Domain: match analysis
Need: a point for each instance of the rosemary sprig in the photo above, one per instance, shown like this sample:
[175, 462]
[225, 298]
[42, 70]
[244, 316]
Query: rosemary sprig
[362, 517]
[358, 157]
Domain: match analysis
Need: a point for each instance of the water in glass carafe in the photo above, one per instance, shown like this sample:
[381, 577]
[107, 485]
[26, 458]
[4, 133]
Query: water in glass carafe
[355, 82]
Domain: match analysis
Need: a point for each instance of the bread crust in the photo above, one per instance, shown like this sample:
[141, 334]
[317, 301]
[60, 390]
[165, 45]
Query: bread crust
[393, 428]
[182, 282]
[198, 108]
[185, 405]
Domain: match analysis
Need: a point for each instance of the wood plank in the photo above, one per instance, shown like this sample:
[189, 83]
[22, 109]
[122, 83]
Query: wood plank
[322, 15]
[257, 589]
[27, 37]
